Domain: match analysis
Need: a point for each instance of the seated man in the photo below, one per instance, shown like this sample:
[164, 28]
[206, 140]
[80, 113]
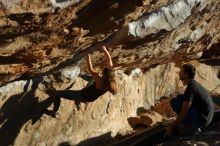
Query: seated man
[194, 108]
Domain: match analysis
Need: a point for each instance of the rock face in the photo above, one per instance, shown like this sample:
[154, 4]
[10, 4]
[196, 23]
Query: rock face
[148, 41]
[22, 104]
[35, 44]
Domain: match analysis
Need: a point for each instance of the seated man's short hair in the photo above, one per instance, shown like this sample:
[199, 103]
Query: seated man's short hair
[189, 69]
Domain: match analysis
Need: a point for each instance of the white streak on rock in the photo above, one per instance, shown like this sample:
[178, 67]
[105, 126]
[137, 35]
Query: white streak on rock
[14, 87]
[167, 18]
[197, 34]
[10, 3]
[63, 3]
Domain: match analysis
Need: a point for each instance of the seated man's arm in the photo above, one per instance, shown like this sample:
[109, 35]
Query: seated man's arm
[187, 100]
[183, 113]
[184, 110]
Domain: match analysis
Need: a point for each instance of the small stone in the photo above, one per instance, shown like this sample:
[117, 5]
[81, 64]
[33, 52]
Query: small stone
[150, 118]
[134, 121]
[66, 31]
[146, 2]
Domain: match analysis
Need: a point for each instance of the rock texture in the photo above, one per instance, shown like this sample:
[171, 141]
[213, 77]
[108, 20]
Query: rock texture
[22, 102]
[148, 41]
[33, 44]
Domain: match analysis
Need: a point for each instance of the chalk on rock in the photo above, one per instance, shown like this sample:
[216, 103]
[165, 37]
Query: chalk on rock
[136, 73]
[70, 73]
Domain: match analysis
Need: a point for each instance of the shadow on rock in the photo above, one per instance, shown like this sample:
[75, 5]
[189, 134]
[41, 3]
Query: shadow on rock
[102, 140]
[18, 110]
[65, 144]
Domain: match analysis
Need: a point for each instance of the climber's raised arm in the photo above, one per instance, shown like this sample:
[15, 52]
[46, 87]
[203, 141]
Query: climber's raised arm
[89, 63]
[108, 57]
[94, 74]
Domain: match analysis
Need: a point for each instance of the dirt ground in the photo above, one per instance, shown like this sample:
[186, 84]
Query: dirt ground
[210, 137]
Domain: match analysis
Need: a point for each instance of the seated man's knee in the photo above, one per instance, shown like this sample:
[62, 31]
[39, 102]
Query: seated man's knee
[172, 102]
[176, 103]
[179, 96]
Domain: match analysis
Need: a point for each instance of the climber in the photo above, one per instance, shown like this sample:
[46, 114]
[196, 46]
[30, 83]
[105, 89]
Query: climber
[194, 108]
[102, 84]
